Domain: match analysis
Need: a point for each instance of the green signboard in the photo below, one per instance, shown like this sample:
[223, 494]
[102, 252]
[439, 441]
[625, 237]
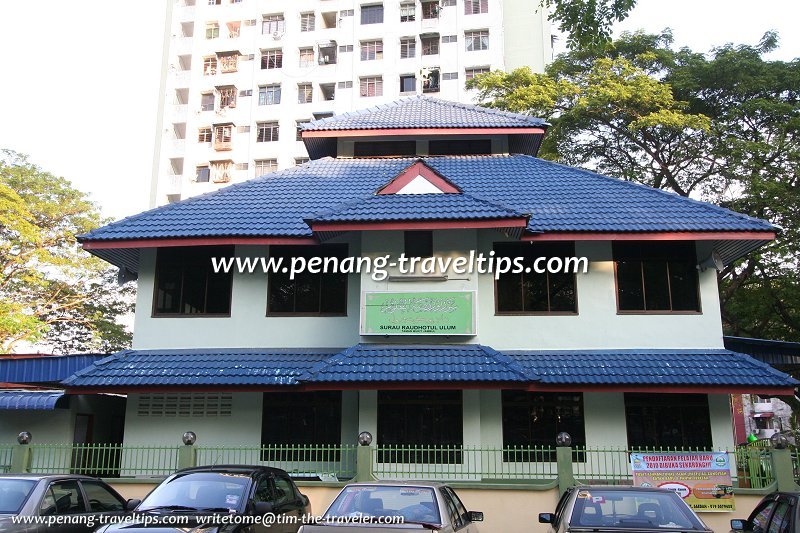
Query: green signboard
[418, 313]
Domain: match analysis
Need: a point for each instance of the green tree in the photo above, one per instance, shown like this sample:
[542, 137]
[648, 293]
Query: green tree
[587, 23]
[50, 290]
[721, 126]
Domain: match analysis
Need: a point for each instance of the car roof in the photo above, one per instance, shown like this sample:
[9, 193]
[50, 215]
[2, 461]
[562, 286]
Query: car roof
[48, 476]
[411, 483]
[243, 469]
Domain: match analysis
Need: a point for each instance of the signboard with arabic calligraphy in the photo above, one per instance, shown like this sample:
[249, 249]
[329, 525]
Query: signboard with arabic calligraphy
[418, 313]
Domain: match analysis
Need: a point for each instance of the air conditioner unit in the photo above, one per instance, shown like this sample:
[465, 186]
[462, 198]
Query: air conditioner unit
[324, 60]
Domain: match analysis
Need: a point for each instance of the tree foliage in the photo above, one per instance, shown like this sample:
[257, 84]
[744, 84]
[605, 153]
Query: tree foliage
[587, 23]
[50, 290]
[721, 126]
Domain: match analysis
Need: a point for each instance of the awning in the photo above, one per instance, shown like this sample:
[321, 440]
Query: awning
[43, 369]
[17, 400]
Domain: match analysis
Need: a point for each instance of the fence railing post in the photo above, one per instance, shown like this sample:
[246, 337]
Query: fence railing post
[783, 469]
[21, 457]
[187, 456]
[566, 477]
[364, 463]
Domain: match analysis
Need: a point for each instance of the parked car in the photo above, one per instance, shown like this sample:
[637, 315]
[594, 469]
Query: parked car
[227, 491]
[775, 512]
[45, 497]
[361, 507]
[599, 508]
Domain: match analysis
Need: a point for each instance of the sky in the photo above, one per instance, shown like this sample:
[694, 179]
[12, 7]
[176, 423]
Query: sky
[81, 94]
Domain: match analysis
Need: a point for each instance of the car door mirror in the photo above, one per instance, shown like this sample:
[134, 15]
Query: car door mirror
[740, 525]
[545, 518]
[262, 508]
[475, 516]
[132, 504]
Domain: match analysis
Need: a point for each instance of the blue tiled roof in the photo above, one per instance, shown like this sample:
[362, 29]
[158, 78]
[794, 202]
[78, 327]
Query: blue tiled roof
[49, 369]
[417, 207]
[424, 112]
[187, 367]
[459, 363]
[418, 363]
[14, 400]
[648, 367]
[558, 198]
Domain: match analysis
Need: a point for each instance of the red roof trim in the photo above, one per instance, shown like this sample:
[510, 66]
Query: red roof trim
[419, 169]
[652, 236]
[194, 241]
[421, 224]
[420, 131]
[667, 389]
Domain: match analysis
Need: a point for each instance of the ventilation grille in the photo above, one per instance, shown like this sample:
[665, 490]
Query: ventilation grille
[185, 405]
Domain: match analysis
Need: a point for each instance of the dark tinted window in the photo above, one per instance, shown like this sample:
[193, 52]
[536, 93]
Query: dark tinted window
[63, 497]
[668, 420]
[187, 285]
[13, 493]
[761, 519]
[781, 518]
[308, 293]
[418, 243]
[371, 14]
[100, 498]
[460, 147]
[533, 419]
[301, 418]
[532, 292]
[384, 148]
[657, 277]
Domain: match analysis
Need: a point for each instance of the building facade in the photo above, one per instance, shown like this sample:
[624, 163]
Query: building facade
[627, 354]
[241, 75]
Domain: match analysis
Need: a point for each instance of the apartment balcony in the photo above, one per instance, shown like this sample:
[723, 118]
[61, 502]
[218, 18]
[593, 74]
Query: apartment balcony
[763, 408]
[765, 433]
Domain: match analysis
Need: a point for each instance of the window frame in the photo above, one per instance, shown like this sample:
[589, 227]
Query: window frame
[273, 165]
[470, 37]
[408, 45]
[371, 47]
[482, 5]
[273, 56]
[275, 18]
[685, 403]
[270, 91]
[224, 251]
[377, 7]
[273, 126]
[365, 82]
[308, 22]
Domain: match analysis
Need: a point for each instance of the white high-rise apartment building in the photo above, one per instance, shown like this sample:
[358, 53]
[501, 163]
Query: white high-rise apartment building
[239, 75]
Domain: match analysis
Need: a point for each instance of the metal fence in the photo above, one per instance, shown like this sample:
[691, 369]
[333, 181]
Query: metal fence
[464, 463]
[5, 457]
[104, 460]
[313, 462]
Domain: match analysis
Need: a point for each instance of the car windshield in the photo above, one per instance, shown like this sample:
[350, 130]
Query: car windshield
[632, 509]
[199, 490]
[414, 504]
[13, 493]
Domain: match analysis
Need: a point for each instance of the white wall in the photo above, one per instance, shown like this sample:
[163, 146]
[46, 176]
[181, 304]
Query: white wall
[596, 326]
[46, 427]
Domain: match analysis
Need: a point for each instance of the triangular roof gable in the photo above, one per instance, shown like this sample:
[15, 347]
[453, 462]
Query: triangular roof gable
[399, 184]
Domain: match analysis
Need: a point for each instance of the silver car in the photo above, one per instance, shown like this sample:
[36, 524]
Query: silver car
[389, 507]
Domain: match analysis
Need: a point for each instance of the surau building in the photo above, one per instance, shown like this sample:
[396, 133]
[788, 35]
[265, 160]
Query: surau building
[627, 355]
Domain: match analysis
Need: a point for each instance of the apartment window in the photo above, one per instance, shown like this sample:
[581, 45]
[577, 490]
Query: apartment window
[271, 59]
[408, 47]
[371, 86]
[304, 418]
[265, 166]
[530, 419]
[223, 133]
[408, 83]
[305, 93]
[229, 62]
[420, 418]
[346, 12]
[227, 97]
[475, 7]
[204, 135]
[430, 80]
[346, 48]
[269, 94]
[328, 91]
[430, 10]
[221, 171]
[449, 39]
[301, 160]
[187, 285]
[209, 66]
[475, 71]
[345, 84]
[460, 147]
[477, 40]
[307, 293]
[202, 173]
[306, 57]
[371, 50]
[658, 277]
[533, 292]
[449, 76]
[273, 24]
[299, 127]
[212, 30]
[234, 29]
[307, 21]
[430, 45]
[408, 12]
[372, 14]
[267, 132]
[418, 243]
[679, 421]
[207, 102]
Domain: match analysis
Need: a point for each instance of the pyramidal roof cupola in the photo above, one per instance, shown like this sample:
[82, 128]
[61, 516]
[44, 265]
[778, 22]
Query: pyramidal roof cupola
[422, 126]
